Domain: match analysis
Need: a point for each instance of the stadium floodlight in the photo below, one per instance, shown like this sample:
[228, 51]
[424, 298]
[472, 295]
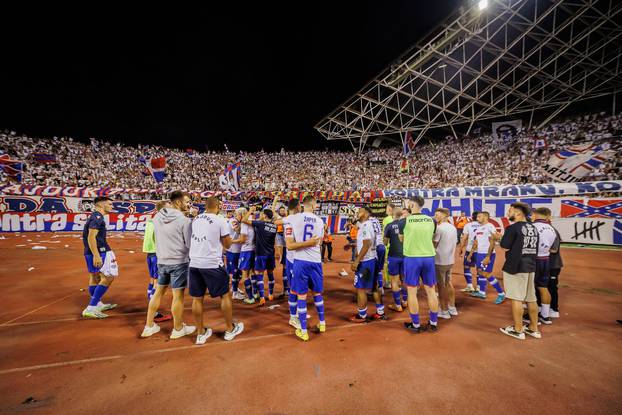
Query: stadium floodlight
[482, 4]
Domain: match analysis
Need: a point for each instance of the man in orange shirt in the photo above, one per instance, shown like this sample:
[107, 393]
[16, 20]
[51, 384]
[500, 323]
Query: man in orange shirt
[352, 234]
[327, 244]
[460, 222]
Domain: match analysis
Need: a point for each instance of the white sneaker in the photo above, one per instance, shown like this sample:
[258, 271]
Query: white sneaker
[532, 333]
[453, 311]
[237, 329]
[237, 295]
[554, 314]
[185, 330]
[150, 331]
[105, 307]
[294, 322]
[93, 313]
[444, 314]
[510, 331]
[202, 338]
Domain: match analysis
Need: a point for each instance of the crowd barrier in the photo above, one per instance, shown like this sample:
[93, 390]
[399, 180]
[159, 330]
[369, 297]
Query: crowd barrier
[581, 220]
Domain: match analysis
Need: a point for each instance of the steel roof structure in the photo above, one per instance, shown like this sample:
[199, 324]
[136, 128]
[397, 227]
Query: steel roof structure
[490, 59]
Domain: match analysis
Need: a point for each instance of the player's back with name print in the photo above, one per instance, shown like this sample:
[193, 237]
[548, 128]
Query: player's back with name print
[305, 226]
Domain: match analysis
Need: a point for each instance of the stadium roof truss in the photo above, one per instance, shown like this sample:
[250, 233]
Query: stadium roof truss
[511, 57]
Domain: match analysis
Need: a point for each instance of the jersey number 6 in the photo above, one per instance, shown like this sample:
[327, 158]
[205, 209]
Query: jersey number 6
[308, 232]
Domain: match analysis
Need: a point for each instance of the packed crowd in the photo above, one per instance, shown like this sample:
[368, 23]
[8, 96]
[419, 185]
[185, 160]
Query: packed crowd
[477, 160]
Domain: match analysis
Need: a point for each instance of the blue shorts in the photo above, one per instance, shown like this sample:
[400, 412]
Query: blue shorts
[468, 263]
[307, 275]
[419, 268]
[263, 263]
[232, 262]
[396, 266]
[478, 262]
[174, 275]
[247, 260]
[89, 263]
[543, 272]
[364, 275]
[152, 265]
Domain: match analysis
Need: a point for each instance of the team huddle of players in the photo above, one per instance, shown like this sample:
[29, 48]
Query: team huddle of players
[230, 258]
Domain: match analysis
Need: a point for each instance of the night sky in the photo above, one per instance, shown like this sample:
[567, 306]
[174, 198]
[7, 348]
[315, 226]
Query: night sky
[253, 77]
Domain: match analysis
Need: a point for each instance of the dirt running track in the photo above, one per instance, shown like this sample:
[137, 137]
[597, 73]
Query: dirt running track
[52, 361]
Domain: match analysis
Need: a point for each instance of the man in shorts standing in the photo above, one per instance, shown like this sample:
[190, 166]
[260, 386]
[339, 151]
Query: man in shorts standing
[521, 242]
[210, 233]
[100, 260]
[172, 233]
[393, 239]
[149, 247]
[445, 244]
[419, 265]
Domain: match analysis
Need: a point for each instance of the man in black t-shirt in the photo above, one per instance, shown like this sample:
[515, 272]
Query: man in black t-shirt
[521, 242]
[100, 259]
[265, 230]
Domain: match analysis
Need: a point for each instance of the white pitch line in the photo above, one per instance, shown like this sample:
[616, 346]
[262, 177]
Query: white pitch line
[173, 349]
[36, 309]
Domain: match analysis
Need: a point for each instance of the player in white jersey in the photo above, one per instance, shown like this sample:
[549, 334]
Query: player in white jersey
[381, 252]
[547, 239]
[365, 270]
[233, 253]
[483, 251]
[247, 259]
[210, 233]
[466, 245]
[303, 238]
[293, 208]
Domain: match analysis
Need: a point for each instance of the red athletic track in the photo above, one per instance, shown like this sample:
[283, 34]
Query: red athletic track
[69, 365]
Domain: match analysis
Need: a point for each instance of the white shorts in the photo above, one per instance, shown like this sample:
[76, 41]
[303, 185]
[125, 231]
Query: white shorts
[110, 268]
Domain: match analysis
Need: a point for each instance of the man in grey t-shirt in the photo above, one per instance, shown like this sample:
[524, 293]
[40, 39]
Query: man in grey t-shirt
[445, 244]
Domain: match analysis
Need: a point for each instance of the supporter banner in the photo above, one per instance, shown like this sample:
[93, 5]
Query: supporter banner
[497, 207]
[551, 189]
[590, 231]
[572, 164]
[61, 222]
[506, 130]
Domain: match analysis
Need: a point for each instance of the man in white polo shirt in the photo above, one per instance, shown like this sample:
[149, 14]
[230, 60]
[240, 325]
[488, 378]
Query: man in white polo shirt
[445, 244]
[210, 233]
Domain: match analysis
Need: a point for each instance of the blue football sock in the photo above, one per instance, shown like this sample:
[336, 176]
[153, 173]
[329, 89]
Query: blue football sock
[248, 287]
[433, 318]
[363, 312]
[404, 294]
[292, 300]
[259, 283]
[319, 306]
[467, 275]
[302, 314]
[495, 283]
[396, 298]
[380, 309]
[481, 282]
[415, 319]
[270, 283]
[100, 290]
[92, 290]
